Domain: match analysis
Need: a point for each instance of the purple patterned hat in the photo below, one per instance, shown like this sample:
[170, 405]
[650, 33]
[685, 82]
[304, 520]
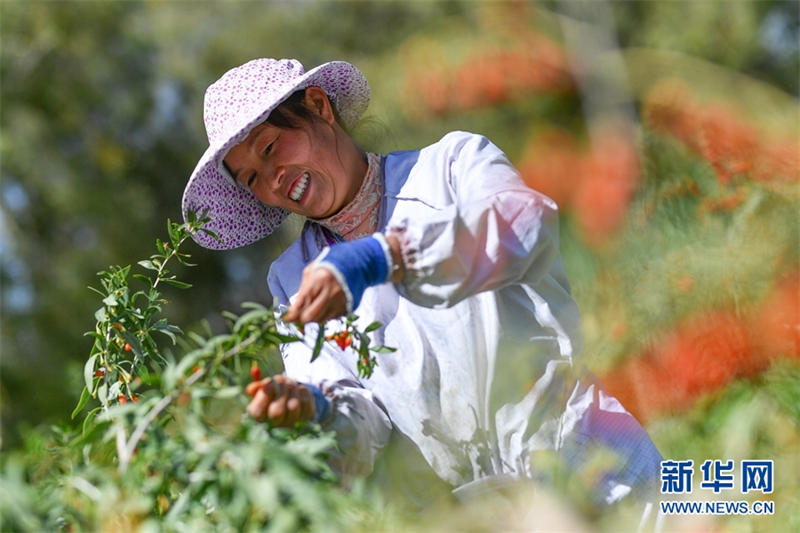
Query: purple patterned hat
[240, 100]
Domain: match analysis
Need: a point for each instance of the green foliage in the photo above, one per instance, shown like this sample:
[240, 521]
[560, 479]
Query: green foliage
[100, 124]
[165, 443]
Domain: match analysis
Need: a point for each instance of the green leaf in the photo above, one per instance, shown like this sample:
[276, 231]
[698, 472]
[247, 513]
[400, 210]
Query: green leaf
[187, 362]
[89, 418]
[85, 394]
[229, 316]
[253, 305]
[211, 234]
[228, 392]
[146, 263]
[197, 338]
[110, 300]
[383, 349]
[100, 314]
[176, 283]
[168, 329]
[256, 315]
[88, 372]
[173, 230]
[285, 338]
[169, 334]
[143, 278]
[102, 391]
[98, 291]
[319, 343]
[274, 339]
[182, 259]
[372, 327]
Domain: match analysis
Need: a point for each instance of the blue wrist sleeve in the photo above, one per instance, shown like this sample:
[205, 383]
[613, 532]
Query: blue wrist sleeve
[321, 404]
[356, 265]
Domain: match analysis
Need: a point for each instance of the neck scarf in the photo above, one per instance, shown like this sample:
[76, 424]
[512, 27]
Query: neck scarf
[360, 217]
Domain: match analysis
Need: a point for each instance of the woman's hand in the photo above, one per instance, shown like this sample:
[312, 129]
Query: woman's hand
[319, 298]
[281, 400]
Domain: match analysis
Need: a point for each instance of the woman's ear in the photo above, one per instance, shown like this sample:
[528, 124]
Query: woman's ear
[319, 103]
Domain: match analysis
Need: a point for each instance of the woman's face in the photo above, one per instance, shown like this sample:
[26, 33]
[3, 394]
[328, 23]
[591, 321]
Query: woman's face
[309, 170]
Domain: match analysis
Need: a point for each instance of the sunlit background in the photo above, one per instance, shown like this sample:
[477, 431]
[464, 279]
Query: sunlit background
[667, 131]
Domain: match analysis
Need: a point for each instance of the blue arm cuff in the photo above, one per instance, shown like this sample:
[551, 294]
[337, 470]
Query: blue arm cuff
[356, 265]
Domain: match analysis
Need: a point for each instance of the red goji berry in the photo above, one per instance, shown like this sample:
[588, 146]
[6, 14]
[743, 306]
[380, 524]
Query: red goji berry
[122, 399]
[98, 373]
[117, 325]
[134, 398]
[127, 347]
[344, 339]
[255, 372]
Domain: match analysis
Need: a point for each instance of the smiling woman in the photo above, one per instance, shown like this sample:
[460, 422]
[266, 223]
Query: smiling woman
[451, 252]
[310, 166]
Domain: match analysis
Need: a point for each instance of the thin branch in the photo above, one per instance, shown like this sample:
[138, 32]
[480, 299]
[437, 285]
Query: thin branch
[125, 451]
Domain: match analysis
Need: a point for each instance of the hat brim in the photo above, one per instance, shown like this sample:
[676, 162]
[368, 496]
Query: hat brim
[237, 217]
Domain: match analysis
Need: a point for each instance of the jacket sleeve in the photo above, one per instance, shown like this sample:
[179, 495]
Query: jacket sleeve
[361, 425]
[493, 232]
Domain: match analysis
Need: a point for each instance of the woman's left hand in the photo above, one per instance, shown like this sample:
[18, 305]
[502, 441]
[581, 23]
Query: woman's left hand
[319, 298]
[281, 400]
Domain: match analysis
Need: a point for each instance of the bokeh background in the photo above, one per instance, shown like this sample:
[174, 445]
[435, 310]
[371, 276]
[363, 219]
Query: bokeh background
[667, 131]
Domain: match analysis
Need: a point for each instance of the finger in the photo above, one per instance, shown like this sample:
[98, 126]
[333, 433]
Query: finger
[329, 303]
[293, 408]
[333, 297]
[308, 292]
[316, 309]
[253, 386]
[293, 314]
[337, 304]
[257, 408]
[277, 408]
[273, 388]
[329, 310]
[307, 406]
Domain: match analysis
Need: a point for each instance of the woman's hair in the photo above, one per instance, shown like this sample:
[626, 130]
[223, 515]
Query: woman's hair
[293, 111]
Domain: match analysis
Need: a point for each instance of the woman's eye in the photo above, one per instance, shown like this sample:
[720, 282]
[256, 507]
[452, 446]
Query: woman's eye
[268, 149]
[251, 180]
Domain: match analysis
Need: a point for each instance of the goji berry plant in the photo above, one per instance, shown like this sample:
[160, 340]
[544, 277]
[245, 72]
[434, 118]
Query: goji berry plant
[165, 443]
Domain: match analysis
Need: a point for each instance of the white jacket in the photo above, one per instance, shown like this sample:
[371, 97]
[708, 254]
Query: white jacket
[484, 380]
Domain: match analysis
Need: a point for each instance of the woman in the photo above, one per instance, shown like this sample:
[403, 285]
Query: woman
[449, 250]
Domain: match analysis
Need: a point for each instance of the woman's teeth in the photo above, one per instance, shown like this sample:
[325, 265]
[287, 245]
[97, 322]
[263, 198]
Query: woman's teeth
[300, 188]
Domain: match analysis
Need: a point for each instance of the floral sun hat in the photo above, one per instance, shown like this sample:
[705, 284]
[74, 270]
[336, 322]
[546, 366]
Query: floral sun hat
[240, 100]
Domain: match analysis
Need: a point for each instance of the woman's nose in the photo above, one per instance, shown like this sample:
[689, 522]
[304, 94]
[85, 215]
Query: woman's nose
[278, 177]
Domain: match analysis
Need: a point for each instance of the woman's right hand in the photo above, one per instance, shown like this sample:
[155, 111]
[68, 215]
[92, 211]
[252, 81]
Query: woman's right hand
[319, 298]
[281, 400]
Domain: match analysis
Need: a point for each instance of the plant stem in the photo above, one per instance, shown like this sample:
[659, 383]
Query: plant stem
[125, 450]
